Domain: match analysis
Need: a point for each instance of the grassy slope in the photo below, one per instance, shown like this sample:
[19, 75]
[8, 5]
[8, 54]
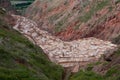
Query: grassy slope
[112, 68]
[21, 60]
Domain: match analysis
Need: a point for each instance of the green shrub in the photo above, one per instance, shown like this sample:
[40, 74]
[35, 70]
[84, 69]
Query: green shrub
[22, 60]
[86, 75]
[95, 7]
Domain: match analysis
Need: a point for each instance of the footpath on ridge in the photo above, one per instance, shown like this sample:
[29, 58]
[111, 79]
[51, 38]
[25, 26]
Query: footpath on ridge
[74, 54]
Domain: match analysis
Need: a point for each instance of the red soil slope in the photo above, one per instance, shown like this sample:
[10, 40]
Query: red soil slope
[74, 19]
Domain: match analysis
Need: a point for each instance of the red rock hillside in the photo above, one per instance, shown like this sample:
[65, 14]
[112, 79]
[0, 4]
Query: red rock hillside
[74, 19]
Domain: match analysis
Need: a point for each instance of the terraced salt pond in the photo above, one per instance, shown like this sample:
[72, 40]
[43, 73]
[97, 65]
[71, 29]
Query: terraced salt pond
[73, 54]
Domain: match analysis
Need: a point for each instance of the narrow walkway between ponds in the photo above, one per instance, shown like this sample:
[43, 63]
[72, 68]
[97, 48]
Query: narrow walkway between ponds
[73, 54]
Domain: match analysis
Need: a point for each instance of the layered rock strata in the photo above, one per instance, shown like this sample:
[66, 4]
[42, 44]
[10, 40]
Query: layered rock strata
[76, 19]
[74, 54]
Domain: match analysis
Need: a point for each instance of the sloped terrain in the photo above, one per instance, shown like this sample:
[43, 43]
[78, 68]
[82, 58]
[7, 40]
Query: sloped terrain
[7, 5]
[71, 20]
[108, 69]
[74, 54]
[74, 19]
[83, 22]
[20, 59]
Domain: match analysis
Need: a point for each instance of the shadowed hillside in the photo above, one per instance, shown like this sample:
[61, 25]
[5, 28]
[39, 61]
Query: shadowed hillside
[6, 4]
[21, 5]
[20, 59]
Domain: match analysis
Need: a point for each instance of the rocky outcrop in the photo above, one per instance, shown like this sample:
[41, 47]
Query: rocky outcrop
[75, 19]
[74, 54]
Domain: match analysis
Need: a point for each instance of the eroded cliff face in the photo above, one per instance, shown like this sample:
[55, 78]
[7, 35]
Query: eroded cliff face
[74, 19]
